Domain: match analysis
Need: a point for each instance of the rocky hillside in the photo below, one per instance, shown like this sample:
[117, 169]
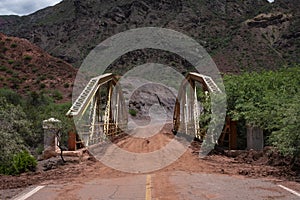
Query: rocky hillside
[25, 67]
[239, 35]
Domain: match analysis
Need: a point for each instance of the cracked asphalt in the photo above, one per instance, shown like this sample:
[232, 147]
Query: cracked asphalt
[174, 185]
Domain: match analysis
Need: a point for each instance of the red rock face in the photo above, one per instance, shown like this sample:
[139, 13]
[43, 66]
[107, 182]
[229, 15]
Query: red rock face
[26, 67]
[71, 29]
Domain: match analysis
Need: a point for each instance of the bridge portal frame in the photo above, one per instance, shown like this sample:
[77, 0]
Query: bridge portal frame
[187, 110]
[100, 126]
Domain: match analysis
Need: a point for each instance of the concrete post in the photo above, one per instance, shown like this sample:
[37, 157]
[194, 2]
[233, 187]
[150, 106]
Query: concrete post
[51, 127]
[255, 138]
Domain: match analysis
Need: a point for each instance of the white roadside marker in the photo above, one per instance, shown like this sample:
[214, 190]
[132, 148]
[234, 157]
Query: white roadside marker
[290, 190]
[25, 196]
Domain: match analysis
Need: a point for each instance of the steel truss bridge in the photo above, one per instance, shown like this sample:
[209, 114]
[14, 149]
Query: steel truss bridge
[100, 111]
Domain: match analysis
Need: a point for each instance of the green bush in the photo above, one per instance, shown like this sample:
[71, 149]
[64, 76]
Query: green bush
[19, 163]
[15, 134]
[269, 100]
[3, 68]
[10, 61]
[66, 85]
[57, 95]
[4, 49]
[39, 149]
[42, 78]
[42, 85]
[10, 96]
[17, 65]
[13, 45]
[132, 112]
[9, 71]
[23, 162]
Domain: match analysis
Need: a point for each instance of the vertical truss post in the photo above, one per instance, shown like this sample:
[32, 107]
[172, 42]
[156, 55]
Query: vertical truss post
[117, 108]
[196, 113]
[98, 115]
[93, 120]
[192, 108]
[124, 113]
[107, 117]
[186, 111]
[191, 100]
[176, 118]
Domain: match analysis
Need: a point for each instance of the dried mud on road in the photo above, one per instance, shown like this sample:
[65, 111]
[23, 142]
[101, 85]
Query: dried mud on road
[248, 164]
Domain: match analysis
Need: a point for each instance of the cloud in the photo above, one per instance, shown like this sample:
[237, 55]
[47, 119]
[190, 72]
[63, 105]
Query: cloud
[24, 7]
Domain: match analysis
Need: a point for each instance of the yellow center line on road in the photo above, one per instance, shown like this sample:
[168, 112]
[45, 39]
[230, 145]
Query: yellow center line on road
[148, 187]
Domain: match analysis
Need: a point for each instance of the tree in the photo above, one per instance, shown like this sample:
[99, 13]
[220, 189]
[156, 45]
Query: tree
[269, 100]
[14, 131]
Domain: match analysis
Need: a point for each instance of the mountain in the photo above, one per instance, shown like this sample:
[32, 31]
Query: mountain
[25, 67]
[239, 35]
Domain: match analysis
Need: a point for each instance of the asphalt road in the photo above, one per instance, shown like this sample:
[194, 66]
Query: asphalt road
[184, 185]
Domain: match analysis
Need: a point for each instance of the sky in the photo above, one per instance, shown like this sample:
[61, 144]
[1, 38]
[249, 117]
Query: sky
[25, 7]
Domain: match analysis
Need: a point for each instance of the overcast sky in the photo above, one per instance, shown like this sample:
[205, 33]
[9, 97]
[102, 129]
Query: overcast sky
[25, 7]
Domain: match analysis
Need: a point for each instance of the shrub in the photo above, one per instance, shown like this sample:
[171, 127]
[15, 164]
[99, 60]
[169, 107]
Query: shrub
[15, 75]
[15, 132]
[34, 70]
[132, 112]
[18, 163]
[37, 81]
[4, 49]
[23, 162]
[10, 61]
[57, 95]
[42, 85]
[42, 77]
[10, 96]
[50, 76]
[3, 68]
[66, 85]
[27, 57]
[39, 149]
[9, 71]
[13, 45]
[17, 66]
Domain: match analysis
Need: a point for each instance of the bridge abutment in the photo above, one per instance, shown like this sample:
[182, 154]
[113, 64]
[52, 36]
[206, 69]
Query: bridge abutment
[51, 128]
